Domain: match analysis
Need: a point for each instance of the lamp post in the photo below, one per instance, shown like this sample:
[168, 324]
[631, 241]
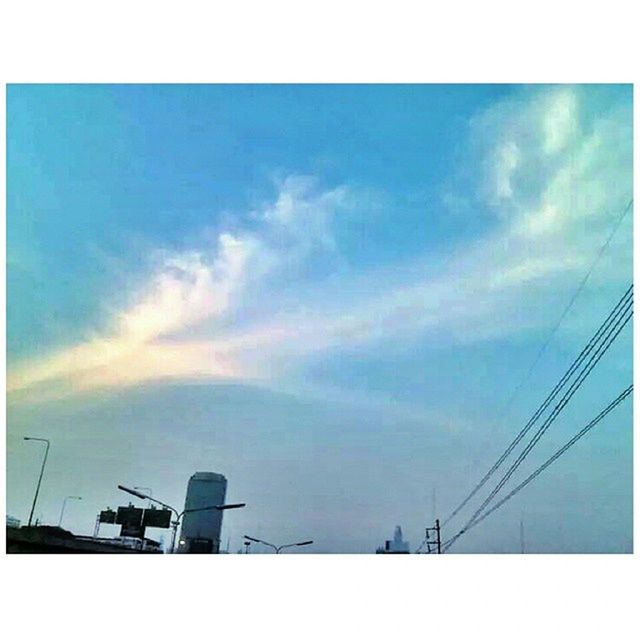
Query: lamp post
[176, 522]
[282, 546]
[44, 461]
[64, 504]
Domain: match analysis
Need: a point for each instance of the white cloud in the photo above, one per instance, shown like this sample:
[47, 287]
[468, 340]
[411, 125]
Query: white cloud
[507, 161]
[555, 171]
[187, 289]
[302, 214]
[559, 120]
[557, 175]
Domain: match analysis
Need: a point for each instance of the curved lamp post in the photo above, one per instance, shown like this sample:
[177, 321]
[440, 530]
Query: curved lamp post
[179, 514]
[64, 504]
[282, 546]
[44, 461]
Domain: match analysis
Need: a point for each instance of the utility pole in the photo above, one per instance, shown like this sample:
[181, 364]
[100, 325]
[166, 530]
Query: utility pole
[433, 502]
[521, 536]
[436, 542]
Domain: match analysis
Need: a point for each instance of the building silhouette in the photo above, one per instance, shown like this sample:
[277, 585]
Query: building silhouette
[397, 545]
[201, 530]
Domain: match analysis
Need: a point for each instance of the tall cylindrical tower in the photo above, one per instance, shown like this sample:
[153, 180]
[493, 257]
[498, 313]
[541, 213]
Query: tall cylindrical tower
[201, 530]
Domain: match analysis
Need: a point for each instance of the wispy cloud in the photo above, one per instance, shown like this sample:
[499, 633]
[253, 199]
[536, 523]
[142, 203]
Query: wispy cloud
[554, 171]
[147, 339]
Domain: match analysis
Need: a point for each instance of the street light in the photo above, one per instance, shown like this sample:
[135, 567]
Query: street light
[282, 546]
[64, 504]
[145, 489]
[176, 522]
[44, 461]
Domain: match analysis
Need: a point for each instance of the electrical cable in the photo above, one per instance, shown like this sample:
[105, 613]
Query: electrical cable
[554, 392]
[566, 310]
[541, 351]
[577, 383]
[612, 405]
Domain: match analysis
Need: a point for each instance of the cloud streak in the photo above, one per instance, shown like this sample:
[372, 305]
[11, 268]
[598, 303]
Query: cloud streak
[147, 340]
[554, 173]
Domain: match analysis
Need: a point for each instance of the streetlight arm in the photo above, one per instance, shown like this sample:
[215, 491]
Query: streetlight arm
[295, 544]
[281, 547]
[198, 509]
[219, 507]
[268, 544]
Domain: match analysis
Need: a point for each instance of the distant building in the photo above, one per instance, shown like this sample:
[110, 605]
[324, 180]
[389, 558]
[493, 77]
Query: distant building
[397, 545]
[12, 522]
[201, 530]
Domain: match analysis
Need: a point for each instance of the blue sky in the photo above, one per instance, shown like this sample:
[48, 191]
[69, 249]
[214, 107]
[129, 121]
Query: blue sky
[327, 293]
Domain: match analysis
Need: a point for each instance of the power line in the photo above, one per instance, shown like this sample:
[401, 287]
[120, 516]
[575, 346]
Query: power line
[612, 405]
[560, 451]
[554, 414]
[551, 396]
[539, 355]
[614, 331]
[566, 310]
[554, 392]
